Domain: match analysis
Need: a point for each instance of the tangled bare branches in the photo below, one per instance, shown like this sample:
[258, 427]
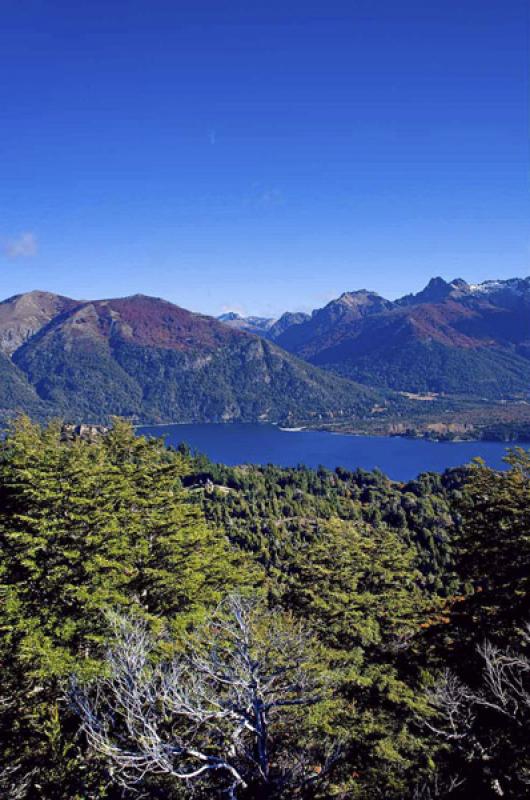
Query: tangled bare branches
[452, 702]
[506, 682]
[437, 788]
[14, 781]
[462, 716]
[213, 714]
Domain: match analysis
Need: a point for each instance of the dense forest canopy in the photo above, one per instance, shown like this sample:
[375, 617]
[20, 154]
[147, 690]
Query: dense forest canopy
[171, 626]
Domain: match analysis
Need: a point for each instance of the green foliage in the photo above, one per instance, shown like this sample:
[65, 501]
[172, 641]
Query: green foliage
[271, 512]
[88, 379]
[356, 586]
[492, 557]
[88, 527]
[494, 548]
[395, 581]
[359, 590]
[433, 367]
[359, 558]
[16, 393]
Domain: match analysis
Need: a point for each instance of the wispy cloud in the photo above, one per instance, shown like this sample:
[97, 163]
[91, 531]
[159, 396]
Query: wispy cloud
[212, 137]
[23, 246]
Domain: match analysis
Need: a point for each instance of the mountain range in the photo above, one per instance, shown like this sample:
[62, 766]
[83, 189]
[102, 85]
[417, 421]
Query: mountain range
[145, 358]
[361, 356]
[268, 327]
[451, 338]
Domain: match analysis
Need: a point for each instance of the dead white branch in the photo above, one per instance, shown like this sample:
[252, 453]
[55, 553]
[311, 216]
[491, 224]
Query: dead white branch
[209, 714]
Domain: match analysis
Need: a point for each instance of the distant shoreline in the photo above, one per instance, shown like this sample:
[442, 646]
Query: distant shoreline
[366, 434]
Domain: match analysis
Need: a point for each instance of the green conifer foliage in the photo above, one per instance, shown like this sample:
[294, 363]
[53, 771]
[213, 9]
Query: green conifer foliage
[494, 549]
[86, 527]
[359, 590]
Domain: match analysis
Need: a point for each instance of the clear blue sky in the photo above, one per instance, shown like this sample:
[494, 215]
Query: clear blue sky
[261, 155]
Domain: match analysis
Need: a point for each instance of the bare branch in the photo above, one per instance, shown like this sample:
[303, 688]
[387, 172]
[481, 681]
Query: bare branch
[209, 714]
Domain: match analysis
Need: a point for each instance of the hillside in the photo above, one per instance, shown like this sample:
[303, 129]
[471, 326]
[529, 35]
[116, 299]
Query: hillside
[24, 315]
[148, 359]
[452, 338]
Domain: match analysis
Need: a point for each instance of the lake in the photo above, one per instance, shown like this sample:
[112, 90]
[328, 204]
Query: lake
[400, 459]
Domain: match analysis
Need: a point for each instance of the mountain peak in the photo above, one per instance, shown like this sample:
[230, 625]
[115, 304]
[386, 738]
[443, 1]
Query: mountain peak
[437, 284]
[515, 285]
[358, 296]
[436, 291]
[358, 303]
[229, 316]
[23, 315]
[257, 325]
[460, 283]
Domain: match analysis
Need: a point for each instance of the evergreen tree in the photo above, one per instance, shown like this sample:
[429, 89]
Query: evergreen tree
[494, 549]
[87, 527]
[359, 591]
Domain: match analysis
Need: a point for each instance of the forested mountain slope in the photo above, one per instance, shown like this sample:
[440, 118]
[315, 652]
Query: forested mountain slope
[148, 359]
[451, 338]
[152, 361]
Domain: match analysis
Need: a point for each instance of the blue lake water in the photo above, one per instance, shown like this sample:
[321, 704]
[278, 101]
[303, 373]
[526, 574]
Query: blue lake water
[400, 459]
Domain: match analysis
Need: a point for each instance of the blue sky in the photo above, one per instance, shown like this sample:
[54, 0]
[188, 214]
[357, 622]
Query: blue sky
[261, 156]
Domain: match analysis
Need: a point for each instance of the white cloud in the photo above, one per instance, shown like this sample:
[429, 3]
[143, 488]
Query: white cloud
[23, 246]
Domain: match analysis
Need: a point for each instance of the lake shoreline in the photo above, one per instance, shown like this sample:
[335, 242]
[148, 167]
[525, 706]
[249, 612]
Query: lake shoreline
[401, 458]
[377, 433]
